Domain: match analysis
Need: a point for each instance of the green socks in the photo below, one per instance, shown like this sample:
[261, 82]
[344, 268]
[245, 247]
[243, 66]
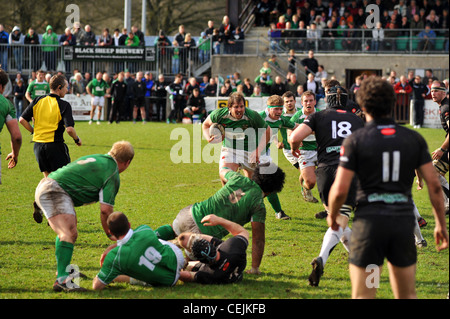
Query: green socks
[165, 232]
[63, 252]
[275, 202]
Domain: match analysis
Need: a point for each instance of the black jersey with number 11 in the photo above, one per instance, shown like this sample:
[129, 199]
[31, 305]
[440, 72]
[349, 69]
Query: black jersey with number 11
[384, 157]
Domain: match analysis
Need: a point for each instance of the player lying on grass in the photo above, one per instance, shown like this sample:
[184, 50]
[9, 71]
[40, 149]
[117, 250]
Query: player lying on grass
[218, 262]
[138, 257]
[240, 200]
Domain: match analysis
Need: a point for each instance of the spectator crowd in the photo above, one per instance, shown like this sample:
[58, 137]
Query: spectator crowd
[328, 25]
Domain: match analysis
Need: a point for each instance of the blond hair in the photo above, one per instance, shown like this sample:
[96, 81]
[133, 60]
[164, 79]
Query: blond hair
[122, 151]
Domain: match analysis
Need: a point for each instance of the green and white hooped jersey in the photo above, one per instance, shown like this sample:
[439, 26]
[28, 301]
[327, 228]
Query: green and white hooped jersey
[143, 256]
[38, 89]
[283, 131]
[309, 143]
[283, 123]
[243, 134]
[98, 88]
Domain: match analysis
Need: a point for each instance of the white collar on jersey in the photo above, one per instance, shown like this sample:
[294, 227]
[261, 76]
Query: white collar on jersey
[127, 237]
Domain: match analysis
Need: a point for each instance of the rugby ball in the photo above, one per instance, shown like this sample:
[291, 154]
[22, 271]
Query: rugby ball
[217, 131]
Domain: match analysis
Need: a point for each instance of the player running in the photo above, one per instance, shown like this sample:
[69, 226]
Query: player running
[307, 161]
[272, 115]
[246, 135]
[331, 127]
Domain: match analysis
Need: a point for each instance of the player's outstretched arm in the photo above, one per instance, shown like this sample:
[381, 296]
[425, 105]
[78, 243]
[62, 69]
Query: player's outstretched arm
[297, 136]
[232, 227]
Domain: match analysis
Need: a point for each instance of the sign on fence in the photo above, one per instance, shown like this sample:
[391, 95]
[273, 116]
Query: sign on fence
[71, 53]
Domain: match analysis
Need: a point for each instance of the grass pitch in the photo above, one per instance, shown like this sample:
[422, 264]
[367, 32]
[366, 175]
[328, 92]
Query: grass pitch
[153, 190]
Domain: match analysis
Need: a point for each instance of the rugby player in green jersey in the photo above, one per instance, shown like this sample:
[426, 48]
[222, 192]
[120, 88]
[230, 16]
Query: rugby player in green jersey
[38, 87]
[246, 135]
[272, 115]
[90, 179]
[240, 200]
[8, 117]
[307, 161]
[138, 257]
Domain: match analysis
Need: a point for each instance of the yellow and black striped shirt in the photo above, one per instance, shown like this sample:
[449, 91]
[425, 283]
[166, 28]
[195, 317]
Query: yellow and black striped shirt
[51, 115]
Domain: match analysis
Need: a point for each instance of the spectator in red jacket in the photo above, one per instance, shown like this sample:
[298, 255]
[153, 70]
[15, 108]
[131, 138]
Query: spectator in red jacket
[403, 86]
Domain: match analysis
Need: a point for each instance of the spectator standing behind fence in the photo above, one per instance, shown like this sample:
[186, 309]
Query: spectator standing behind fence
[149, 83]
[4, 39]
[16, 41]
[77, 86]
[187, 53]
[160, 93]
[239, 37]
[78, 32]
[175, 58]
[118, 93]
[162, 44]
[49, 47]
[67, 39]
[377, 38]
[88, 37]
[31, 38]
[139, 91]
[105, 40]
[139, 34]
[19, 94]
[204, 46]
[427, 39]
[419, 92]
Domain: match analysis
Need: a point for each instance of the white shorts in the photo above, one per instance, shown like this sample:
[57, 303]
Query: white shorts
[181, 262]
[307, 159]
[241, 157]
[52, 199]
[291, 158]
[98, 101]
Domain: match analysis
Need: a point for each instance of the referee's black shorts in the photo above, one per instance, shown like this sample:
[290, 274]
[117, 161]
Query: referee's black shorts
[325, 178]
[51, 156]
[376, 237]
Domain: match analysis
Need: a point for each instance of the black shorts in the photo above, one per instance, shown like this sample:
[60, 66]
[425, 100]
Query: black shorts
[51, 156]
[139, 101]
[375, 237]
[325, 178]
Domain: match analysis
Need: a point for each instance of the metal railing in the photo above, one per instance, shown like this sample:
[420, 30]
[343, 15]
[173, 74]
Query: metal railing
[196, 60]
[397, 41]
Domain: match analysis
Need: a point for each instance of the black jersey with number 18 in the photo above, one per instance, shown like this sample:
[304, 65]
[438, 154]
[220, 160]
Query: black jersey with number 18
[331, 127]
[384, 157]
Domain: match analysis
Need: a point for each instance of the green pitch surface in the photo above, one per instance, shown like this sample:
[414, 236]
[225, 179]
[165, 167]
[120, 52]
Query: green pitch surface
[165, 176]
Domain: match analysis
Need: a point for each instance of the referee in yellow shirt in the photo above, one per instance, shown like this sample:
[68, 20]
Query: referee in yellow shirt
[52, 116]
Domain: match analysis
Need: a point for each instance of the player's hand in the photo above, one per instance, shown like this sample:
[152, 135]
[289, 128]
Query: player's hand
[254, 271]
[280, 145]
[210, 220]
[441, 237]
[296, 153]
[332, 222]
[437, 154]
[12, 160]
[419, 183]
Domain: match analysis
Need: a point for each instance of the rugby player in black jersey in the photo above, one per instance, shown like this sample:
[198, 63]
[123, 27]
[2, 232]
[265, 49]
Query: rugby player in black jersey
[440, 156]
[331, 127]
[384, 157]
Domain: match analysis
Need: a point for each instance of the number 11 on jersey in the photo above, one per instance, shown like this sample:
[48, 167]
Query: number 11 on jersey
[387, 176]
